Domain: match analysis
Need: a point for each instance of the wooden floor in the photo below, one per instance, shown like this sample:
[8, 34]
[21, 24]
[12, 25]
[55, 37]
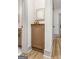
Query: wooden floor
[56, 47]
[35, 55]
[38, 55]
[56, 52]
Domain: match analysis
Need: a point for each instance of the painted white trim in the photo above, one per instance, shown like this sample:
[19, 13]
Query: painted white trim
[28, 50]
[46, 57]
[47, 53]
[48, 25]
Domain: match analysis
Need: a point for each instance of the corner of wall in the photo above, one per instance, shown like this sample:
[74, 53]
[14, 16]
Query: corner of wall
[47, 54]
[27, 50]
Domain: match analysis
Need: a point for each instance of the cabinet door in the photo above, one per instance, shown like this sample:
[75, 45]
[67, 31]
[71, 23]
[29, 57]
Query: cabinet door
[38, 36]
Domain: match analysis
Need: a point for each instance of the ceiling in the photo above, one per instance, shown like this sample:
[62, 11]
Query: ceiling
[57, 4]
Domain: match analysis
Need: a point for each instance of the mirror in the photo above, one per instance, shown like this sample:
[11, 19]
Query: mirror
[40, 14]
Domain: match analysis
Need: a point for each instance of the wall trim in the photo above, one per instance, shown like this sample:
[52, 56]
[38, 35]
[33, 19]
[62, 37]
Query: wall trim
[56, 35]
[47, 57]
[28, 50]
[47, 54]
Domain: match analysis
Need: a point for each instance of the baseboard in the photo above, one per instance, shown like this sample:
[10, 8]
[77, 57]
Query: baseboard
[37, 49]
[56, 35]
[47, 54]
[47, 57]
[28, 50]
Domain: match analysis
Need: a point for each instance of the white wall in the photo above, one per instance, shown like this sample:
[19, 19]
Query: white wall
[48, 25]
[30, 18]
[27, 18]
[39, 4]
[20, 13]
[56, 20]
[25, 27]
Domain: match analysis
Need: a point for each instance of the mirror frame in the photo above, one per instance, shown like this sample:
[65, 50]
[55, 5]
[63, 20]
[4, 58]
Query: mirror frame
[43, 15]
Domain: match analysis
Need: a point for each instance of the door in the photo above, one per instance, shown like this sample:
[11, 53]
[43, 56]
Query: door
[38, 36]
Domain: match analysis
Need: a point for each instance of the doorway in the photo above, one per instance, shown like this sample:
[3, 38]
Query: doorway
[38, 37]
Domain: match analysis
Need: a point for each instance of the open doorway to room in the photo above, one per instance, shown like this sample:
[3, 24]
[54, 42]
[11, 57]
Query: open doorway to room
[56, 51]
[38, 26]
